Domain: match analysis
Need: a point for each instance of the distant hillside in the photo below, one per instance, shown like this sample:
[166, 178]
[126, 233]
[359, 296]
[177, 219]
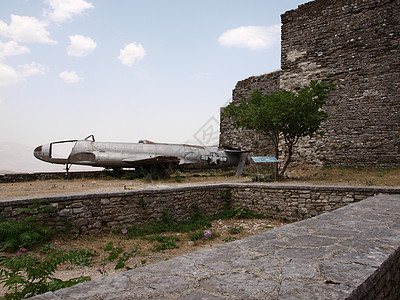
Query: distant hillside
[18, 158]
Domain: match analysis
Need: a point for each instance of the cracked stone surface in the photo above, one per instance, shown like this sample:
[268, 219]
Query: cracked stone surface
[326, 257]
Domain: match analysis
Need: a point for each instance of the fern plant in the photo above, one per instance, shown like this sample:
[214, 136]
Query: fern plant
[24, 232]
[26, 276]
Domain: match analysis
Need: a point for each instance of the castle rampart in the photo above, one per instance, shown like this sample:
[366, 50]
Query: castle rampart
[356, 45]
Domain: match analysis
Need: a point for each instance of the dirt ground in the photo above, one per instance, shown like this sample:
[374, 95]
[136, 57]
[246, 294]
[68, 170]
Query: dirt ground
[313, 176]
[18, 190]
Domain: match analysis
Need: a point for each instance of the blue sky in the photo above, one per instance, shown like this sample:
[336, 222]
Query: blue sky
[126, 70]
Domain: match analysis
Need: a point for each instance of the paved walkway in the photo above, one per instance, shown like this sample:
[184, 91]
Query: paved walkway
[326, 257]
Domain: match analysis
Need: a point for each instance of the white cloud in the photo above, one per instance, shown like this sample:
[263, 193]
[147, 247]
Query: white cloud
[252, 37]
[62, 10]
[80, 45]
[8, 76]
[70, 77]
[32, 69]
[26, 29]
[131, 53]
[12, 48]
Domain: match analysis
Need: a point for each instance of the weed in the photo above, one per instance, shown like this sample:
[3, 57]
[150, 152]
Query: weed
[234, 230]
[229, 239]
[47, 248]
[266, 178]
[167, 217]
[116, 253]
[227, 196]
[165, 242]
[196, 211]
[202, 235]
[369, 182]
[195, 236]
[178, 176]
[244, 212]
[83, 256]
[167, 225]
[143, 203]
[26, 276]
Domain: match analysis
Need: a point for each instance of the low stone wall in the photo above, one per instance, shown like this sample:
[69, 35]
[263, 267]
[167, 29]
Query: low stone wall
[295, 203]
[90, 213]
[384, 283]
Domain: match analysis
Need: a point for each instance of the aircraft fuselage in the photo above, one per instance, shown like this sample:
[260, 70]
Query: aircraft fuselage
[133, 155]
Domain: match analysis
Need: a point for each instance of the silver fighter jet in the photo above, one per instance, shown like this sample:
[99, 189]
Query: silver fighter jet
[142, 154]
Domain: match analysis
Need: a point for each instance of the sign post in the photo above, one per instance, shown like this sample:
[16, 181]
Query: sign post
[266, 159]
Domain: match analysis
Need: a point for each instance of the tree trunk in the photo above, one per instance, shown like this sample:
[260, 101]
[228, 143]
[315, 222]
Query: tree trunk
[276, 165]
[288, 159]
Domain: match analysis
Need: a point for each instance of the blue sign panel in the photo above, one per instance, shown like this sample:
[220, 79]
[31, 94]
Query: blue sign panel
[264, 159]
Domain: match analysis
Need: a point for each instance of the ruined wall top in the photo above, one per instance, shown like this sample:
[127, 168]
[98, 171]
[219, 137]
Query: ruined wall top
[266, 83]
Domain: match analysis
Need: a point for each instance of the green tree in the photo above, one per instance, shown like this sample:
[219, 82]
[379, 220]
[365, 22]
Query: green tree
[283, 115]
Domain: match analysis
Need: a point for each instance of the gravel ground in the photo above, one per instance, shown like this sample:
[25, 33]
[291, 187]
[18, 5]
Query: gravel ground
[22, 190]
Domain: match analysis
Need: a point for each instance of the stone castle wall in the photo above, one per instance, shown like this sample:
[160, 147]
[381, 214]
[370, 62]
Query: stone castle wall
[355, 44]
[244, 138]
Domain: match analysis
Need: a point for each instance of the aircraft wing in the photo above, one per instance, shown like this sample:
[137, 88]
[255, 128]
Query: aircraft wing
[151, 159]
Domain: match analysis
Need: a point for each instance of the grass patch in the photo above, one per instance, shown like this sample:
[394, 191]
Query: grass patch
[234, 230]
[356, 176]
[153, 228]
[164, 242]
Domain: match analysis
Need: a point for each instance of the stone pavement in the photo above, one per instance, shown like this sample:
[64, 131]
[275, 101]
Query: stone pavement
[326, 257]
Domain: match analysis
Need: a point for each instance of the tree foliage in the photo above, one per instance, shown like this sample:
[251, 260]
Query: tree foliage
[283, 115]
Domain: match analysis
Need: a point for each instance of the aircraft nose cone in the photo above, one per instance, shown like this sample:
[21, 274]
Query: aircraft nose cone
[42, 152]
[38, 151]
